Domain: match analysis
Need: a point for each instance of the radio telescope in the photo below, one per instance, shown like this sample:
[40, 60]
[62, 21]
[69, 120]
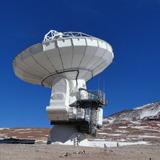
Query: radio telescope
[64, 62]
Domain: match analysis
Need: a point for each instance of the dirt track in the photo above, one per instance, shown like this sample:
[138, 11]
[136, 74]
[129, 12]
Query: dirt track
[56, 152]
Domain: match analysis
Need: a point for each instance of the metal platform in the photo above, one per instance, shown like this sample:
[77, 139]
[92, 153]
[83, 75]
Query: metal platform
[94, 101]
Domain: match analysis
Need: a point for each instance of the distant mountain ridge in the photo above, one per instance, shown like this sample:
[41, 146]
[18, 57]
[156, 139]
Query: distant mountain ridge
[146, 112]
[141, 124]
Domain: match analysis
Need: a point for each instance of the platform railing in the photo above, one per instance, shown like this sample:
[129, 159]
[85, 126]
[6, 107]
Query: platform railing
[95, 95]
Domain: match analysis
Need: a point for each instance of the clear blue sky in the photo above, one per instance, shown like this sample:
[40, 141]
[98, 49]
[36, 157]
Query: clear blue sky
[132, 27]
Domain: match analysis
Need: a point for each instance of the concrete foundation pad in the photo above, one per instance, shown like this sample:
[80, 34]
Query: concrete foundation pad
[67, 135]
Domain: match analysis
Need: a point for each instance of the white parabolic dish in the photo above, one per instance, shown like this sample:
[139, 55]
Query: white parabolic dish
[72, 55]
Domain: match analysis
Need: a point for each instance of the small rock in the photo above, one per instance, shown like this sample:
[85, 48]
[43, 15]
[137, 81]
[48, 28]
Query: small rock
[37, 150]
[105, 149]
[61, 156]
[68, 154]
[80, 152]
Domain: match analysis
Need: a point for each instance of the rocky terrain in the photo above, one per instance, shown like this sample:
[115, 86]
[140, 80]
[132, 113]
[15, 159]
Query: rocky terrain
[121, 132]
[146, 112]
[132, 128]
[40, 135]
[139, 124]
[59, 152]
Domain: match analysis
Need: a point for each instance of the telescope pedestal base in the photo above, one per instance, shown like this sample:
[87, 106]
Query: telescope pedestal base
[67, 135]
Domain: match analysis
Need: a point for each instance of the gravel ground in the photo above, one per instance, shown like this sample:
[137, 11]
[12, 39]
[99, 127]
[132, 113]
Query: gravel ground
[56, 152]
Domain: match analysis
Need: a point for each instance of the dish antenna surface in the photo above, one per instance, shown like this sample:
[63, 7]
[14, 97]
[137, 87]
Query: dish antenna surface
[64, 62]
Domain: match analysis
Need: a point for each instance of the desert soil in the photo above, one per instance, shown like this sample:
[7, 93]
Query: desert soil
[59, 152]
